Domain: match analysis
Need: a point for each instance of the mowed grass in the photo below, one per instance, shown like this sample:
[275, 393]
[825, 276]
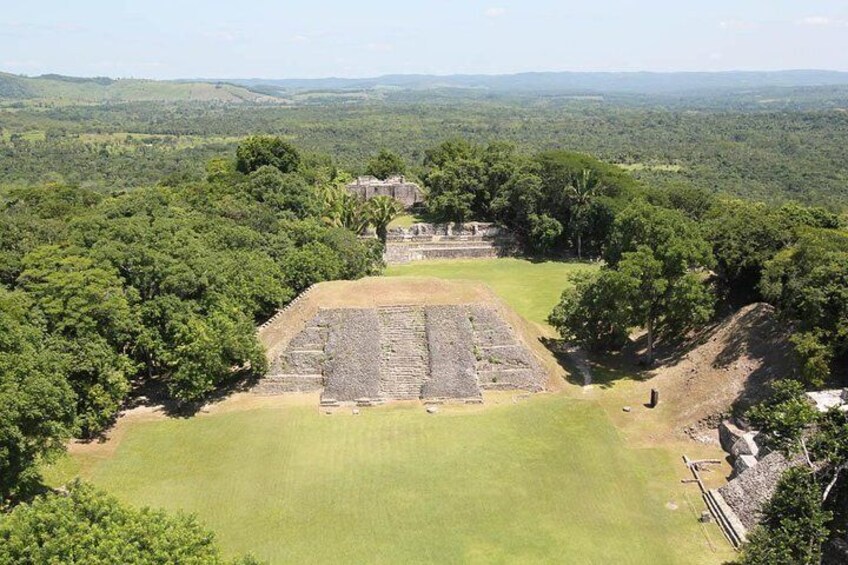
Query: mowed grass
[532, 289]
[546, 480]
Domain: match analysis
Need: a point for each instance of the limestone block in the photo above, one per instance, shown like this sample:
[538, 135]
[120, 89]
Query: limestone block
[728, 434]
[746, 445]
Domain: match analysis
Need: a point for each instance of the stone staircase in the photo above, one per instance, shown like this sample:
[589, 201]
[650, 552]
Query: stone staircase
[730, 525]
[404, 361]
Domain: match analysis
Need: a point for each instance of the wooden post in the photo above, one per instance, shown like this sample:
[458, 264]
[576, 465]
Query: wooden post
[655, 398]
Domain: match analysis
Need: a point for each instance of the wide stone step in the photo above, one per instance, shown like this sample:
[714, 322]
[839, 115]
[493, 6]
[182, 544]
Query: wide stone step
[279, 384]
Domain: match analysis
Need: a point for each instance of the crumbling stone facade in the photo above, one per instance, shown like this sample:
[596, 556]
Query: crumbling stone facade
[756, 472]
[471, 240]
[407, 193]
[371, 355]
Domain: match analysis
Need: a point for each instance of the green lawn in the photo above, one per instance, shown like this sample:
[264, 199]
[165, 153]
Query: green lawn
[532, 289]
[546, 480]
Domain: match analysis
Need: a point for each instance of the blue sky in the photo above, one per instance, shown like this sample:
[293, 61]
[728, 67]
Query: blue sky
[285, 39]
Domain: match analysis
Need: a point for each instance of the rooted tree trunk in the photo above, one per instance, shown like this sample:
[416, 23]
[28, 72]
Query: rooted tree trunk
[650, 355]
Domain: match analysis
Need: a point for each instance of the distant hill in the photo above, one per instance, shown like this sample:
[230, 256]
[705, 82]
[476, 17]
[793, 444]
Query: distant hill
[577, 82]
[102, 89]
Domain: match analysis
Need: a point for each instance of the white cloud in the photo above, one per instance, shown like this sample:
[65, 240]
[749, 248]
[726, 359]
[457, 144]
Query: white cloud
[494, 12]
[299, 38]
[822, 21]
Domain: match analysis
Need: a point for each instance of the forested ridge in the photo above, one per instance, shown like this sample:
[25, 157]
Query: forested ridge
[767, 150]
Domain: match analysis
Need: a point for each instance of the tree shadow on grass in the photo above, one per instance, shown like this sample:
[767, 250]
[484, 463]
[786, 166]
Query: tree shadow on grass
[605, 368]
[154, 392]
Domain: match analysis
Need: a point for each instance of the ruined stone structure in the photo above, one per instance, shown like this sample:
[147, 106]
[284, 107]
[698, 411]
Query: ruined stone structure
[756, 472]
[471, 240]
[435, 353]
[407, 193]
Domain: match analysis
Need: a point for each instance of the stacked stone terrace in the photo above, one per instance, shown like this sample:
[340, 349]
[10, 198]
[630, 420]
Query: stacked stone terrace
[472, 240]
[372, 355]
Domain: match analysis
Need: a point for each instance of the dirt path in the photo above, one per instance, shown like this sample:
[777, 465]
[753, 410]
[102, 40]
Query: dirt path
[578, 357]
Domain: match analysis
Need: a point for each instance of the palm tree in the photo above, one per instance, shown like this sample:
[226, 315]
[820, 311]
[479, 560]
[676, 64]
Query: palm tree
[343, 209]
[353, 213]
[580, 194]
[381, 211]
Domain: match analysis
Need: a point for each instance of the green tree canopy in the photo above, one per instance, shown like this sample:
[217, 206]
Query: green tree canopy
[793, 525]
[653, 279]
[385, 164]
[88, 526]
[381, 210]
[259, 151]
[36, 402]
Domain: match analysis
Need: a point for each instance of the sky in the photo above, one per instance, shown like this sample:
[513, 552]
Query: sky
[316, 38]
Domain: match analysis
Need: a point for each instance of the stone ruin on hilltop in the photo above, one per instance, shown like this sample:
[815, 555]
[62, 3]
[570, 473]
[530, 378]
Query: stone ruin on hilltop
[407, 193]
[372, 355]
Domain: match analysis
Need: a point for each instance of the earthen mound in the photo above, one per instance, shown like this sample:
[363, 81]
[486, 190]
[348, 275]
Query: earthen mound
[725, 367]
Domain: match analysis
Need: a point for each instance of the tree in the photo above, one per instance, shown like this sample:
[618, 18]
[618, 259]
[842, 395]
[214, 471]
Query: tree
[451, 206]
[207, 350]
[341, 208]
[652, 280]
[88, 526]
[593, 312]
[85, 307]
[544, 232]
[829, 446]
[793, 525]
[288, 193]
[381, 211]
[457, 191]
[745, 236]
[581, 192]
[36, 402]
[784, 416]
[808, 282]
[259, 151]
[385, 164]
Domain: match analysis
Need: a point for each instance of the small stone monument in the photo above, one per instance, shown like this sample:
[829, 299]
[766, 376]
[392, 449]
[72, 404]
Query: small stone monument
[655, 398]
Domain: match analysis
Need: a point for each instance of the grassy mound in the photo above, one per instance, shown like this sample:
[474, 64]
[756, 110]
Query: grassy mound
[532, 289]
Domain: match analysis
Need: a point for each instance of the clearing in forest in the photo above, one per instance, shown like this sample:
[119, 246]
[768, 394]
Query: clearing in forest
[521, 478]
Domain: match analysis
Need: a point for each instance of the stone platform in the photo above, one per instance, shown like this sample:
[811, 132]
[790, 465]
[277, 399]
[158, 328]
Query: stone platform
[373, 355]
[472, 240]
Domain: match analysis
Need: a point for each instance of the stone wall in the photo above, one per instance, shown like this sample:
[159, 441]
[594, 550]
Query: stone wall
[472, 240]
[747, 493]
[352, 355]
[452, 363]
[407, 193]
